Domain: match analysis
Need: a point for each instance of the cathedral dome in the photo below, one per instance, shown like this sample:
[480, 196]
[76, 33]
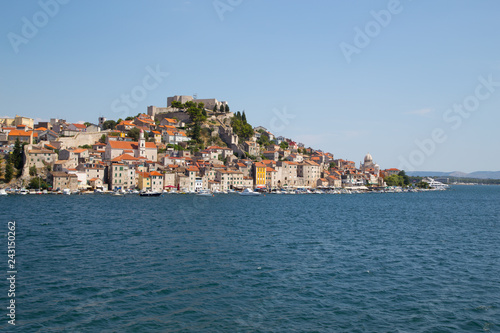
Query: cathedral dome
[368, 158]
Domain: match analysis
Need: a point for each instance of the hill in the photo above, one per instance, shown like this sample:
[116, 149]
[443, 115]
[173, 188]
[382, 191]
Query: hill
[458, 174]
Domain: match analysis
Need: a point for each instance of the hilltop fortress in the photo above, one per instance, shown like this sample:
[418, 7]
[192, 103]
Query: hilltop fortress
[159, 113]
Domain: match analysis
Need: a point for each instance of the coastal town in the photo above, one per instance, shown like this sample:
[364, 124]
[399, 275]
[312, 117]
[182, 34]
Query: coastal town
[192, 145]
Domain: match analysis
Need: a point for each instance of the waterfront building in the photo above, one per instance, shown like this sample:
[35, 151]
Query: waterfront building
[259, 174]
[63, 180]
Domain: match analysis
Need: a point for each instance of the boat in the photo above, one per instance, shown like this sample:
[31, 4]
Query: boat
[249, 192]
[3, 192]
[66, 191]
[435, 185]
[150, 194]
[24, 191]
[204, 193]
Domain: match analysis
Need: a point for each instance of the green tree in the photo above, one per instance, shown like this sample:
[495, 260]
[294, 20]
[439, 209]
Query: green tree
[33, 171]
[422, 184]
[177, 105]
[103, 138]
[244, 117]
[16, 157]
[227, 108]
[394, 180]
[119, 121]
[9, 172]
[87, 124]
[406, 179]
[109, 124]
[129, 118]
[284, 145]
[263, 141]
[37, 182]
[134, 133]
[215, 108]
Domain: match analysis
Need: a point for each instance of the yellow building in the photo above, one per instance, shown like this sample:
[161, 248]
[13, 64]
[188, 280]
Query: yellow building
[259, 174]
[144, 182]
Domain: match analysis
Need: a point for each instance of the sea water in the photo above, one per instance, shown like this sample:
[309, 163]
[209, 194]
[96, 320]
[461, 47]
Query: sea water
[393, 262]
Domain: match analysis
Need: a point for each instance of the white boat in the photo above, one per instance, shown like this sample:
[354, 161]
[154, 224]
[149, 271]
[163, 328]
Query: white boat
[66, 191]
[150, 194]
[435, 185]
[205, 193]
[3, 192]
[249, 192]
[24, 191]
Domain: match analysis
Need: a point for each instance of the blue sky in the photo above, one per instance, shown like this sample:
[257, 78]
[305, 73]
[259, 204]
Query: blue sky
[274, 58]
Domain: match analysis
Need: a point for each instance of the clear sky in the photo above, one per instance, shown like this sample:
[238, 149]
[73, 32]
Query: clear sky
[414, 83]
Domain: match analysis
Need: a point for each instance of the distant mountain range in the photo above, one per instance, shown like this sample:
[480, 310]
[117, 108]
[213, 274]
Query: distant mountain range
[475, 174]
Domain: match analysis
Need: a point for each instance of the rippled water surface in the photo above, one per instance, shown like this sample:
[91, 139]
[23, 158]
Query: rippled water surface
[407, 262]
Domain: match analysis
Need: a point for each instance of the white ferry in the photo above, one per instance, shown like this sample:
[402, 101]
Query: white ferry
[249, 192]
[434, 184]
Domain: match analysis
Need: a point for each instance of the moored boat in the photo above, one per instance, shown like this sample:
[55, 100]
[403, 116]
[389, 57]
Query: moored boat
[249, 192]
[150, 194]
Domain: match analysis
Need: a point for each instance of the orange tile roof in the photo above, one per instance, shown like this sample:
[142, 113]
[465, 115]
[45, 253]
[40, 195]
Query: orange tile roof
[41, 129]
[81, 126]
[128, 144]
[19, 133]
[126, 123]
[167, 126]
[155, 173]
[126, 157]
